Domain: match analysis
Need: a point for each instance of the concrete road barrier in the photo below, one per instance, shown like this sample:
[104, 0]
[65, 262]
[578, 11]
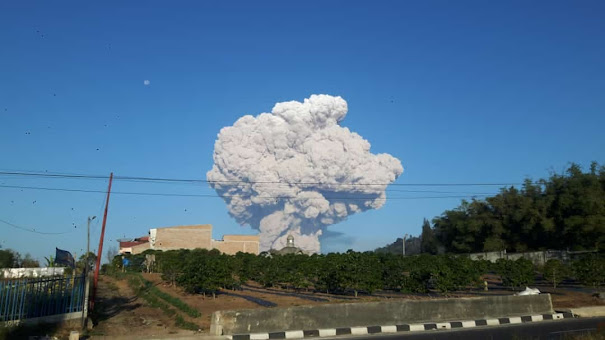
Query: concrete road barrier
[376, 313]
[588, 312]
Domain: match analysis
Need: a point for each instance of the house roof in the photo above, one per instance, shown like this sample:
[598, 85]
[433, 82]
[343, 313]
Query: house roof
[136, 242]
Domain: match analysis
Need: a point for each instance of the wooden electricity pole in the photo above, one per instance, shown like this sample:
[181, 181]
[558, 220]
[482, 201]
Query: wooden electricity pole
[100, 251]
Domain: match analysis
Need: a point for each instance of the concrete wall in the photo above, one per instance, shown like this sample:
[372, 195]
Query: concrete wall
[376, 313]
[182, 237]
[536, 257]
[15, 273]
[491, 256]
[139, 248]
[192, 237]
[231, 244]
[59, 318]
[125, 250]
[136, 249]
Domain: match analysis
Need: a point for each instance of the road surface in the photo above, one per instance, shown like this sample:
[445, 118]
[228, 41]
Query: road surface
[547, 330]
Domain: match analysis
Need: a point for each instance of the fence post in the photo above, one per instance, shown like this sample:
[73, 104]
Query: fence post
[85, 305]
[23, 295]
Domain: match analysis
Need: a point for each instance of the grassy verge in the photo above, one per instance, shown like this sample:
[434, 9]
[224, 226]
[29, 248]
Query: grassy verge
[182, 323]
[176, 302]
[156, 298]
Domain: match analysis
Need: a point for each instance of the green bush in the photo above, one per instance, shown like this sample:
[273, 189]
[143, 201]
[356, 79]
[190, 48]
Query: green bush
[590, 270]
[515, 273]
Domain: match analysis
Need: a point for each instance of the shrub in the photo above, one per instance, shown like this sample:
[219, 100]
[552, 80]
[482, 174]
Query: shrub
[515, 273]
[590, 270]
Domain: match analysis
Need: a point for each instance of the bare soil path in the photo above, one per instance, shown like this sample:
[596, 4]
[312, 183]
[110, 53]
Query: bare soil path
[120, 313]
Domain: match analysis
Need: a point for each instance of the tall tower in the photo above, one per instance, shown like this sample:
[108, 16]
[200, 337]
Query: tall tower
[290, 241]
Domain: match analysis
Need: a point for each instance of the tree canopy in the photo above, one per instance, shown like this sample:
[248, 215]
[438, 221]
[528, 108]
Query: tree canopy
[565, 211]
[12, 259]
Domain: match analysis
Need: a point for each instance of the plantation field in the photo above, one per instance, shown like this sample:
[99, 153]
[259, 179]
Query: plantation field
[124, 313]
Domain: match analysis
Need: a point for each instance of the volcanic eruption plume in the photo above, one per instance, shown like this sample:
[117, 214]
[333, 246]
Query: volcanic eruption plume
[295, 171]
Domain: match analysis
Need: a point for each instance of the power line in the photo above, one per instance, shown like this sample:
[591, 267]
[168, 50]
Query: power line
[51, 175]
[32, 230]
[228, 196]
[443, 192]
[180, 180]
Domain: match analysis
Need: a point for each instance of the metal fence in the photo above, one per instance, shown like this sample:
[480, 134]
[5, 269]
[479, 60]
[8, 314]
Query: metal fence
[38, 297]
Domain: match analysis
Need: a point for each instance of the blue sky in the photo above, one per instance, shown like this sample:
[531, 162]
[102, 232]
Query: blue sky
[460, 92]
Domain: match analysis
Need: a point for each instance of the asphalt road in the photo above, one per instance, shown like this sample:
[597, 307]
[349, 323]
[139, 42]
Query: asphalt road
[547, 330]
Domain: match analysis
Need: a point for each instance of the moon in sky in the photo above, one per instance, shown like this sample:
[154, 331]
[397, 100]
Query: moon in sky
[146, 82]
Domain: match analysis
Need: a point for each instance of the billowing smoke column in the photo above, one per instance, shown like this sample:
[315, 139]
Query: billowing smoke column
[296, 171]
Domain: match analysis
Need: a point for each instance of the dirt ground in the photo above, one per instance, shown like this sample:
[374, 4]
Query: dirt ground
[121, 313]
[566, 295]
[207, 305]
[563, 298]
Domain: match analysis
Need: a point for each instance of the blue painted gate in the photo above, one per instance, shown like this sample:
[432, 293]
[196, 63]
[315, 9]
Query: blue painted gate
[27, 298]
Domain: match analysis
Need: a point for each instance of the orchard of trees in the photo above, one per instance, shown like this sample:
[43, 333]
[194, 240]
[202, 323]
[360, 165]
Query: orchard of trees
[207, 272]
[565, 211]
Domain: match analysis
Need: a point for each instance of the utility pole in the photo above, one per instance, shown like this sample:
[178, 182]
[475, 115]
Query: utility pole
[100, 250]
[88, 244]
[404, 237]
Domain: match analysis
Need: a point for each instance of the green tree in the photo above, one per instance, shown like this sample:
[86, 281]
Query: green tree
[171, 264]
[515, 273]
[578, 207]
[81, 264]
[394, 271]
[428, 241]
[554, 271]
[324, 272]
[420, 272]
[359, 272]
[112, 252]
[8, 258]
[564, 211]
[590, 270]
[457, 230]
[206, 272]
[29, 262]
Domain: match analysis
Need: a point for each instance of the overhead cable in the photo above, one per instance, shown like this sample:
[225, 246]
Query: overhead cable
[226, 182]
[32, 230]
[229, 196]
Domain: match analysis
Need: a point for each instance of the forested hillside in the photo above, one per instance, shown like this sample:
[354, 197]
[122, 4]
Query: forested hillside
[565, 211]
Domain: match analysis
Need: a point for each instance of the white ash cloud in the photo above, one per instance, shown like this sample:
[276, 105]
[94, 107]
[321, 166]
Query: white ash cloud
[295, 171]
